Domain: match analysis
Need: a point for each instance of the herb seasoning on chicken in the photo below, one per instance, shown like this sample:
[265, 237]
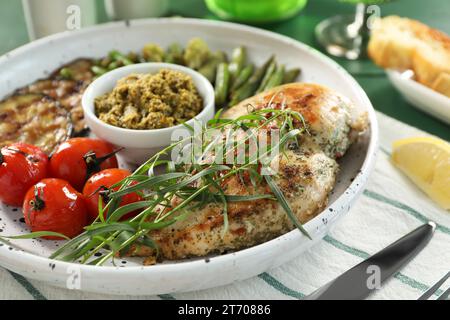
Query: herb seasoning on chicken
[150, 101]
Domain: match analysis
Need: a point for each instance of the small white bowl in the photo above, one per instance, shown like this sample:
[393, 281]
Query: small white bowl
[420, 96]
[141, 144]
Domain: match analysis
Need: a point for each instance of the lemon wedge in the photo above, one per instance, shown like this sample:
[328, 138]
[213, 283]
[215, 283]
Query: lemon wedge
[426, 161]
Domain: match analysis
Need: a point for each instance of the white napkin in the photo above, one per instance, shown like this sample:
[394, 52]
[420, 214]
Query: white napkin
[390, 207]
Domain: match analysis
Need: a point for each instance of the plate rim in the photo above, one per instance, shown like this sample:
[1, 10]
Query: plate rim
[420, 96]
[357, 186]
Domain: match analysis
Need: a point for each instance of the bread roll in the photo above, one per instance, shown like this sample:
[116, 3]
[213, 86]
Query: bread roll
[401, 43]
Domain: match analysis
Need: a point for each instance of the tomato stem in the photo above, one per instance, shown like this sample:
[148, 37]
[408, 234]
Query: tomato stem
[93, 164]
[37, 203]
[103, 192]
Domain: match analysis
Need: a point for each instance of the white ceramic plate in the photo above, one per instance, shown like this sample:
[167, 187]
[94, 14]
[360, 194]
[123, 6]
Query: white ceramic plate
[35, 60]
[420, 96]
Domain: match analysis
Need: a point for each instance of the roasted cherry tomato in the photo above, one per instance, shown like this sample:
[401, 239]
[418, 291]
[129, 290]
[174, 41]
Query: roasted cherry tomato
[77, 159]
[21, 166]
[54, 205]
[99, 185]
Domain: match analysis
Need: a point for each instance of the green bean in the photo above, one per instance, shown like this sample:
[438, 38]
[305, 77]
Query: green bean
[291, 75]
[98, 71]
[276, 79]
[210, 68]
[269, 72]
[117, 56]
[66, 73]
[133, 57]
[249, 88]
[114, 65]
[222, 84]
[105, 62]
[174, 54]
[238, 58]
[243, 76]
[222, 56]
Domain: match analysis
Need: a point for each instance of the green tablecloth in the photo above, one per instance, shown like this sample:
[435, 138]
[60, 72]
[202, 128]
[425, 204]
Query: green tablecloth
[384, 97]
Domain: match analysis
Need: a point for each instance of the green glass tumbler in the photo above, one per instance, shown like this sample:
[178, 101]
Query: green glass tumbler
[255, 11]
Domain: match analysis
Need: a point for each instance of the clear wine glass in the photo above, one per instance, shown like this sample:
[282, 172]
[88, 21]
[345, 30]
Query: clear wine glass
[347, 35]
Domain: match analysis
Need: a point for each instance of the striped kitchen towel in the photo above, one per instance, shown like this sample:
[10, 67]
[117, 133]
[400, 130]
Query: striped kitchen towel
[390, 207]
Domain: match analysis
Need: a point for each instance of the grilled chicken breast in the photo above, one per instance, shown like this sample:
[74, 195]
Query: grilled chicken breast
[306, 175]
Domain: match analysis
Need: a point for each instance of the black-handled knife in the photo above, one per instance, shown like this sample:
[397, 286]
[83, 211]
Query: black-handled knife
[360, 281]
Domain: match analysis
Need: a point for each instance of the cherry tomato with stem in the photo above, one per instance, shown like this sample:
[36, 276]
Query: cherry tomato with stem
[54, 205]
[79, 158]
[21, 166]
[99, 185]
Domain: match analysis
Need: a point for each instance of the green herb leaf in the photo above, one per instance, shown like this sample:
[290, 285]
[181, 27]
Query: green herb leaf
[35, 235]
[151, 181]
[284, 204]
[121, 211]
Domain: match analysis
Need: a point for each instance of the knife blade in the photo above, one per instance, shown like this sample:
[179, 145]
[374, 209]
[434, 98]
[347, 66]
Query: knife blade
[363, 279]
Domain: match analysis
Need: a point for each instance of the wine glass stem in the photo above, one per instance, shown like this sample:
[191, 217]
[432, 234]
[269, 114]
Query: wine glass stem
[359, 25]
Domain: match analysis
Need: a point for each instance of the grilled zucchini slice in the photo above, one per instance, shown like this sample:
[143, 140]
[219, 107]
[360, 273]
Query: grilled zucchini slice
[34, 119]
[48, 111]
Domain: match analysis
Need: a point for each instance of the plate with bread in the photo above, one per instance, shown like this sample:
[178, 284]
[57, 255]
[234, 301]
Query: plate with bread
[417, 62]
